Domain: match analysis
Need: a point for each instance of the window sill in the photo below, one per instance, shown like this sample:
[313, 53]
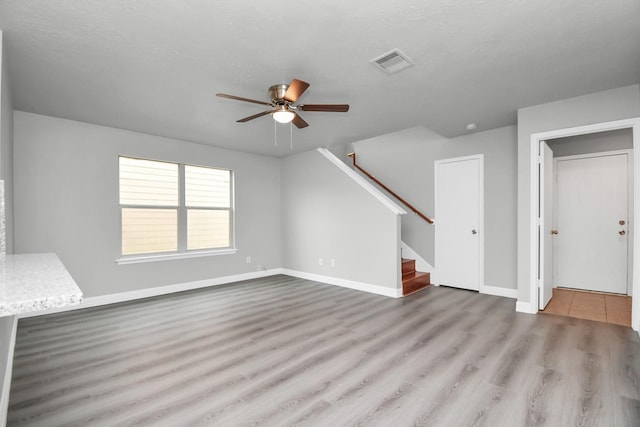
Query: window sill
[136, 259]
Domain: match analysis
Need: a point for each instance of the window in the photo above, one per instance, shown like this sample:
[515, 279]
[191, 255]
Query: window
[208, 203]
[174, 208]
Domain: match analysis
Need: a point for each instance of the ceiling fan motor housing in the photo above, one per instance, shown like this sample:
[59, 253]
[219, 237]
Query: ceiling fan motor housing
[276, 93]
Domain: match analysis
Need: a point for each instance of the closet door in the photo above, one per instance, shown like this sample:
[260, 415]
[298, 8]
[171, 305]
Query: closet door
[458, 222]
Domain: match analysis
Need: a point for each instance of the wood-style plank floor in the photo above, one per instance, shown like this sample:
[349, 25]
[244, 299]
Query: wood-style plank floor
[281, 351]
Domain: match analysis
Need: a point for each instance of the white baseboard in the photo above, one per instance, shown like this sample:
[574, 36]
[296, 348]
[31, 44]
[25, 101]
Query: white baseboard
[180, 287]
[526, 307]
[6, 385]
[359, 286]
[187, 286]
[152, 292]
[499, 292]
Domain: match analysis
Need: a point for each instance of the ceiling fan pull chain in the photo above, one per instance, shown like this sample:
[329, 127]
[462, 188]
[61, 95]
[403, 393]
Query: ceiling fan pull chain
[291, 130]
[275, 133]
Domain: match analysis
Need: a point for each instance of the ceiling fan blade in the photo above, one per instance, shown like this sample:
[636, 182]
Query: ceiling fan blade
[296, 88]
[333, 108]
[255, 116]
[299, 122]
[239, 98]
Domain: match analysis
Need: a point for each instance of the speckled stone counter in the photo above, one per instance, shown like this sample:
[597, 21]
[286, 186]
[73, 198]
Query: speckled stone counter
[35, 282]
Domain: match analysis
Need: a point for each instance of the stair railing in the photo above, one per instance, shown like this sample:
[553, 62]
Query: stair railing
[374, 179]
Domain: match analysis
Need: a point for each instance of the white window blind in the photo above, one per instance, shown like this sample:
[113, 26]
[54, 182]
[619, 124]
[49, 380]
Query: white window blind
[169, 207]
[208, 202]
[146, 231]
[148, 183]
[206, 187]
[207, 229]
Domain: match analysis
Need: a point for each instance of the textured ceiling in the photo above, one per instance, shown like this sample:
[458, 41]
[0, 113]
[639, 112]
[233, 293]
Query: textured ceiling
[154, 65]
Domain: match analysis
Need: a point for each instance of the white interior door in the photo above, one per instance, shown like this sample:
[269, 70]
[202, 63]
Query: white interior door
[458, 224]
[545, 229]
[591, 246]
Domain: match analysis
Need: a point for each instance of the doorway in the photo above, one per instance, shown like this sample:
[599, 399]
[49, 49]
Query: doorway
[537, 181]
[459, 232]
[590, 241]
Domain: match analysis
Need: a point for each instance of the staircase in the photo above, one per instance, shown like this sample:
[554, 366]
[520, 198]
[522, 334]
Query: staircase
[412, 280]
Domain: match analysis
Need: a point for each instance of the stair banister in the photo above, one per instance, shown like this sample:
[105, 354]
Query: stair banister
[374, 179]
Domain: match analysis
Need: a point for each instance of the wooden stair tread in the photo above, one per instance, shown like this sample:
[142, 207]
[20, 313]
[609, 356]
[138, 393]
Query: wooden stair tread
[408, 266]
[414, 281]
[414, 275]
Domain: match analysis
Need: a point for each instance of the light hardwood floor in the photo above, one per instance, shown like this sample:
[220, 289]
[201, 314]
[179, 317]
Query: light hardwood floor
[282, 351]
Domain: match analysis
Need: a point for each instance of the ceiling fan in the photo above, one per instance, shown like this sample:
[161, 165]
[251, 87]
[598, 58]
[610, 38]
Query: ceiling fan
[283, 102]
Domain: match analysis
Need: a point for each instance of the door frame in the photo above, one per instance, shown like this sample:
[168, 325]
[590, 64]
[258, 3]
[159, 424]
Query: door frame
[545, 284]
[630, 199]
[634, 125]
[481, 225]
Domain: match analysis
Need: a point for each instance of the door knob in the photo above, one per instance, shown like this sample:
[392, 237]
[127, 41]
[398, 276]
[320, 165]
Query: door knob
[474, 231]
[554, 231]
[622, 232]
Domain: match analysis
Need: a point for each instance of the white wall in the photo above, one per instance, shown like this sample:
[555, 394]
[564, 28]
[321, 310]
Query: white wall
[328, 215]
[621, 139]
[610, 105]
[7, 323]
[341, 151]
[66, 201]
[6, 146]
[404, 161]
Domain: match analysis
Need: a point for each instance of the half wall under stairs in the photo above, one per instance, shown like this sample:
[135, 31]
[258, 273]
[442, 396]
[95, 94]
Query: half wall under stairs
[412, 280]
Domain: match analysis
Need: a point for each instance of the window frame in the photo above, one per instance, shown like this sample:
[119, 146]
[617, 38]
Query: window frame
[182, 225]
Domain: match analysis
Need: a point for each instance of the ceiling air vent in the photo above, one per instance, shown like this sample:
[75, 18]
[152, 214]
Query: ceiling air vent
[392, 61]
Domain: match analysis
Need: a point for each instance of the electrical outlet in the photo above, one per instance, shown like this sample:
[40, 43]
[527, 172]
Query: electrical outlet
[248, 260]
[261, 268]
[333, 262]
[320, 261]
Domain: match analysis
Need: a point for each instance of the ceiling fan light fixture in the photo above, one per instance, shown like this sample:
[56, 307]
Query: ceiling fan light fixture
[283, 115]
[283, 107]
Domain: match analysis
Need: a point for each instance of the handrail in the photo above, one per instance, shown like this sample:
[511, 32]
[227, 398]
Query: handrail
[373, 178]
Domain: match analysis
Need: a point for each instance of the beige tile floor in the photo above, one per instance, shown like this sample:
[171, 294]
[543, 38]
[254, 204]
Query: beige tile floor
[591, 305]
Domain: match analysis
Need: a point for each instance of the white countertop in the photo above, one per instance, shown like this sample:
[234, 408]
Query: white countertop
[34, 282]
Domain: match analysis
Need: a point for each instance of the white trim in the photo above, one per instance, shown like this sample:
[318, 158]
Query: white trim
[532, 305]
[8, 370]
[359, 286]
[592, 155]
[482, 229]
[499, 291]
[152, 292]
[535, 139]
[187, 286]
[421, 263]
[480, 159]
[526, 307]
[180, 255]
[394, 207]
